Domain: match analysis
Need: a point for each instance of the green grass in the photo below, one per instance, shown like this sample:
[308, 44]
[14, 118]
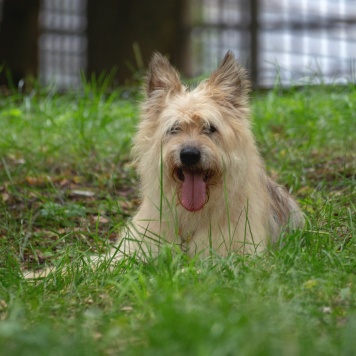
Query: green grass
[67, 184]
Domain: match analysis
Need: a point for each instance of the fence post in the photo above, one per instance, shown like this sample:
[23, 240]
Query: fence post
[115, 26]
[254, 43]
[18, 40]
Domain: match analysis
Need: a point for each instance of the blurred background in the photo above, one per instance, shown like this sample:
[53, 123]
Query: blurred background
[292, 41]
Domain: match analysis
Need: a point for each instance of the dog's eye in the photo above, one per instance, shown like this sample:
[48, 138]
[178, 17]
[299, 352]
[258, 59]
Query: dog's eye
[174, 130]
[210, 129]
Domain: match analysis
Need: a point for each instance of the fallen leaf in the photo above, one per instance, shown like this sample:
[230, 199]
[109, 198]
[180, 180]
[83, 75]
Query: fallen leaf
[326, 310]
[127, 308]
[64, 182]
[78, 179]
[100, 219]
[5, 197]
[311, 283]
[34, 180]
[83, 193]
[3, 305]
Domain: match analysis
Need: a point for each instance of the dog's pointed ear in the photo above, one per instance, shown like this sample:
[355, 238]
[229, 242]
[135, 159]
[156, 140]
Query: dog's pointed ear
[162, 77]
[230, 82]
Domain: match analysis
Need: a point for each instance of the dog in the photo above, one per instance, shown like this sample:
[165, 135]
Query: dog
[203, 183]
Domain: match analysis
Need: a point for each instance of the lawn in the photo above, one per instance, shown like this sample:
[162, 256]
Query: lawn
[67, 185]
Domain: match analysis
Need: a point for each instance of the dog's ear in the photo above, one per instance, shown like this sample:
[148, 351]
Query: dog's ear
[162, 76]
[230, 82]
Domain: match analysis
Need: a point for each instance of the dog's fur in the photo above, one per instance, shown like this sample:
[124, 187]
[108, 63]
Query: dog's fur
[201, 140]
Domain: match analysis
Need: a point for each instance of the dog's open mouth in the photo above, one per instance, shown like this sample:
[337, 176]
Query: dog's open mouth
[193, 192]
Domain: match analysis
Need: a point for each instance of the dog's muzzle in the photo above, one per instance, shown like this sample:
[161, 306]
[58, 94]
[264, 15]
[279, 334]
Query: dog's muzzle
[193, 179]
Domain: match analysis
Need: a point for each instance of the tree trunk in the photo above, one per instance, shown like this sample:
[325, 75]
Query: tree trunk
[18, 40]
[118, 31]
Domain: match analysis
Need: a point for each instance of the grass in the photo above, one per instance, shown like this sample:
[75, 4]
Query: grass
[67, 184]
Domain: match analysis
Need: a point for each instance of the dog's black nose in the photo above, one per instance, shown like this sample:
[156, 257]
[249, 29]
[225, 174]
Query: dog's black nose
[189, 155]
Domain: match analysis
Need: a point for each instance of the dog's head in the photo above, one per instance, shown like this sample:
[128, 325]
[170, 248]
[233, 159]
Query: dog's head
[196, 135]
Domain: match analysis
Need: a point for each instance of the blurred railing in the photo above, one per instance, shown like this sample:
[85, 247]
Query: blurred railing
[307, 41]
[292, 41]
[63, 42]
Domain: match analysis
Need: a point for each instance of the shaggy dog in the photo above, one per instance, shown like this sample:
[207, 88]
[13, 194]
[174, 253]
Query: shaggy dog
[204, 186]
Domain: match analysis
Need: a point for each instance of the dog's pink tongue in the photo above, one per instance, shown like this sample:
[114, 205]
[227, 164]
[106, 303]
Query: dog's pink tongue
[193, 191]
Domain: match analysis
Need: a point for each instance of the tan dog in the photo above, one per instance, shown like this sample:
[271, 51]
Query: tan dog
[203, 184]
